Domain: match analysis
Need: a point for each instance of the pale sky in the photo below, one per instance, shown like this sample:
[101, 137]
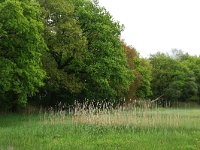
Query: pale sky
[158, 25]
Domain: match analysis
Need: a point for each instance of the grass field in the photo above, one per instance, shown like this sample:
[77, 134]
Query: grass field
[157, 129]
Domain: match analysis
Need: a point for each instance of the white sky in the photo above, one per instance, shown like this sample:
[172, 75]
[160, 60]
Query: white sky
[158, 25]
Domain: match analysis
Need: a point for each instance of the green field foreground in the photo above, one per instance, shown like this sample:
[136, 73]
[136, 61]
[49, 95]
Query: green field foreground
[161, 129]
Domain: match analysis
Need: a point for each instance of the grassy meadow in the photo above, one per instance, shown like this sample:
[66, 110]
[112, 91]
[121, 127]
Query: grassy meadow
[139, 129]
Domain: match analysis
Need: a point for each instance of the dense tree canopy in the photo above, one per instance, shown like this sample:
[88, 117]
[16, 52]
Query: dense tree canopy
[86, 59]
[141, 68]
[21, 46]
[67, 53]
[107, 74]
[172, 79]
[55, 51]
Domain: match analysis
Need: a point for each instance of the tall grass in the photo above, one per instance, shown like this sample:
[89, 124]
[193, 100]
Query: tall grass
[102, 126]
[142, 115]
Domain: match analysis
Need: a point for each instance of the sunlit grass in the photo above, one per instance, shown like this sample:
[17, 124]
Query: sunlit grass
[136, 128]
[139, 117]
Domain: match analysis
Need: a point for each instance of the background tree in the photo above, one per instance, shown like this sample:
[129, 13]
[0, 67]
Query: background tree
[172, 79]
[193, 63]
[141, 69]
[21, 46]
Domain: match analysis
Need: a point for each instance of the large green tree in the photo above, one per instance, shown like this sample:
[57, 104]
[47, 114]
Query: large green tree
[107, 75]
[67, 51]
[21, 46]
[86, 59]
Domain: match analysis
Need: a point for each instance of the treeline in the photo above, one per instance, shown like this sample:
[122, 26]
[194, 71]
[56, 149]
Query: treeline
[54, 51]
[176, 76]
